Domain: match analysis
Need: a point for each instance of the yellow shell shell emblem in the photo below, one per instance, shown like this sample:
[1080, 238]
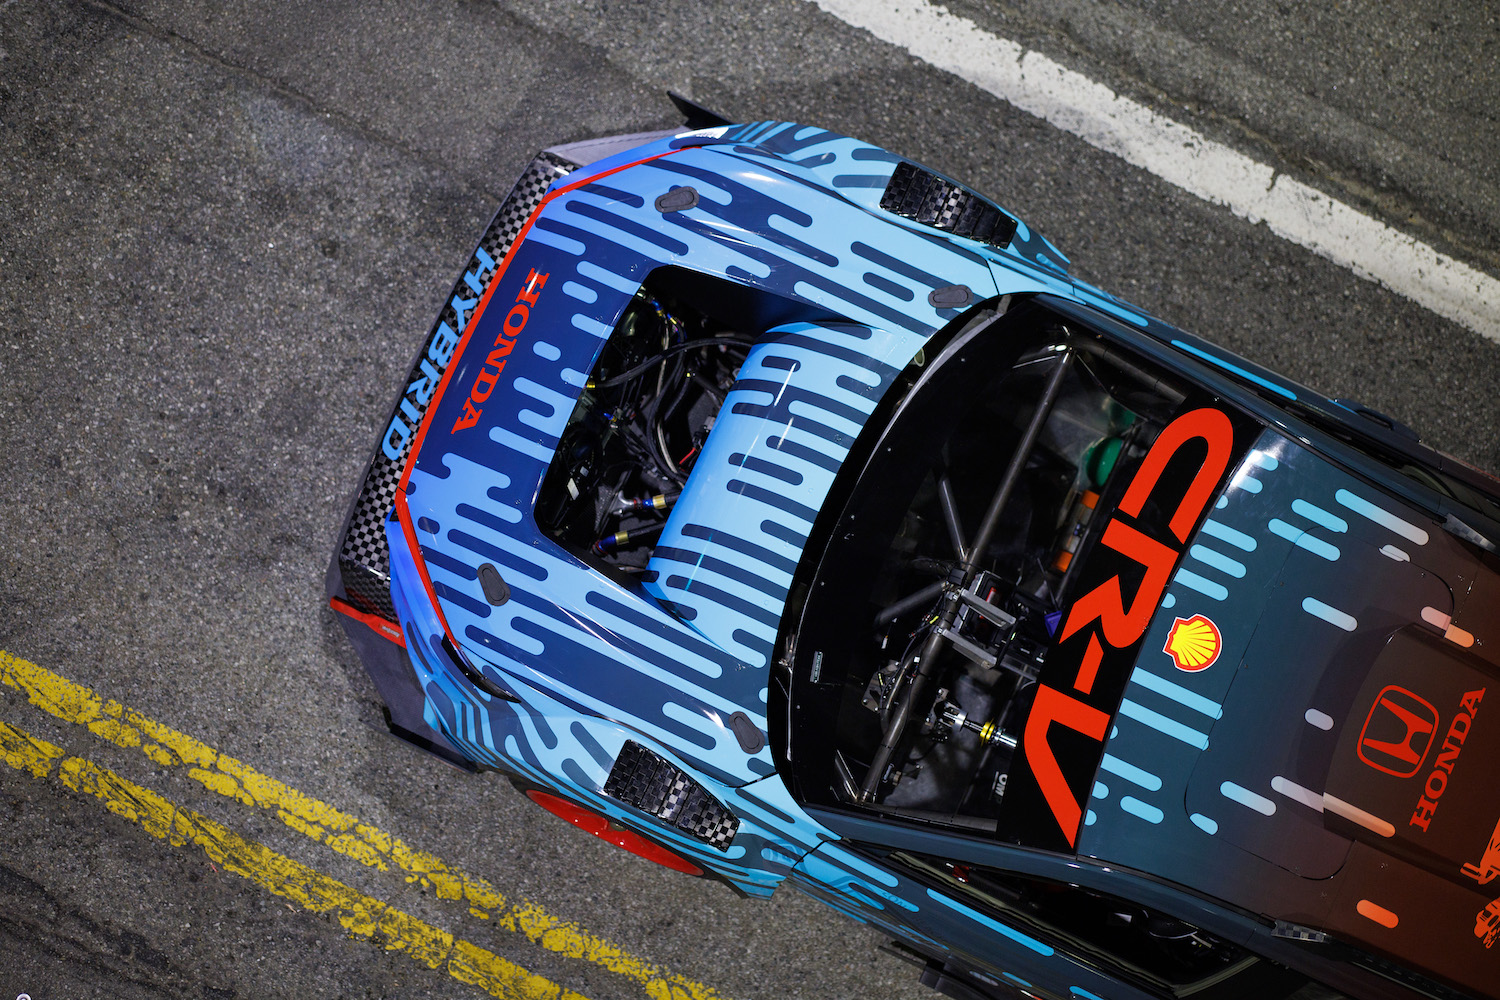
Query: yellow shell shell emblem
[1194, 643]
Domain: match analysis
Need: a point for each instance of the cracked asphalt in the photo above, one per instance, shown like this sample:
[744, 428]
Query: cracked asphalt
[225, 226]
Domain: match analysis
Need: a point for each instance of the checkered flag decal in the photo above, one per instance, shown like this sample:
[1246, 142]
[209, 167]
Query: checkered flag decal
[364, 560]
[652, 784]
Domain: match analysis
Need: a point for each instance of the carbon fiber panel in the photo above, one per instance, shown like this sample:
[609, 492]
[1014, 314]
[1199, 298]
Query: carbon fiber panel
[364, 562]
[651, 783]
[923, 196]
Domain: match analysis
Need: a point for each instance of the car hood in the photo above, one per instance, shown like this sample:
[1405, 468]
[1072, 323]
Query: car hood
[791, 213]
[1311, 727]
[682, 657]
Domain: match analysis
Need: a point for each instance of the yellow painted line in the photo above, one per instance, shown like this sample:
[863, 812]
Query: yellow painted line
[362, 916]
[338, 830]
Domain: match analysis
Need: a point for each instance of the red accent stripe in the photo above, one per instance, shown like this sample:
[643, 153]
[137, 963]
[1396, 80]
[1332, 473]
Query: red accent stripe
[402, 513]
[599, 826]
[381, 627]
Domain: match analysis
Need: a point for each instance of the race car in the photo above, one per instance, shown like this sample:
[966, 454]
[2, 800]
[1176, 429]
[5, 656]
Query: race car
[782, 511]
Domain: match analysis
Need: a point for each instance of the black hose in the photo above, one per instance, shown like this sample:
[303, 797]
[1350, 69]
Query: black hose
[917, 599]
[686, 345]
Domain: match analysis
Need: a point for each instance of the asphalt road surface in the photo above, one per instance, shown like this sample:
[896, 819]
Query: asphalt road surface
[224, 228]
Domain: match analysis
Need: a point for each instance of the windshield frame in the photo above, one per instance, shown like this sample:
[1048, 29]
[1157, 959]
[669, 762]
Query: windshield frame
[810, 696]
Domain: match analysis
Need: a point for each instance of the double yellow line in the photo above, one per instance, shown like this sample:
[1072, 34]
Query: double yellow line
[362, 916]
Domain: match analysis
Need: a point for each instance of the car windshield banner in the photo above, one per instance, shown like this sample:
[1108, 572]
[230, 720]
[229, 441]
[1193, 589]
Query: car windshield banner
[1155, 509]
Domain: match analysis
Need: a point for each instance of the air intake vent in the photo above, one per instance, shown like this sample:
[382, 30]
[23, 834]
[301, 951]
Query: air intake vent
[653, 784]
[922, 196]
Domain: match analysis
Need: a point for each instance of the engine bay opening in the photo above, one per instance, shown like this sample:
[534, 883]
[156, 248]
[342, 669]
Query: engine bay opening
[638, 426]
[929, 616]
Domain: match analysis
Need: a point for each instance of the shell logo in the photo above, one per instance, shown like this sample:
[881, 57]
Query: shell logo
[1193, 643]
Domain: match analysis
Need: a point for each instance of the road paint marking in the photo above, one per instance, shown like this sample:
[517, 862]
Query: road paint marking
[334, 828]
[1181, 156]
[362, 916]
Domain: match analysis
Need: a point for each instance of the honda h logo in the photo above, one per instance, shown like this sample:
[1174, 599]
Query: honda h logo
[1398, 732]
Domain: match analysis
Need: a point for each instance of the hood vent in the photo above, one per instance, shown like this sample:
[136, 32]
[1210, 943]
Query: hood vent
[920, 195]
[655, 785]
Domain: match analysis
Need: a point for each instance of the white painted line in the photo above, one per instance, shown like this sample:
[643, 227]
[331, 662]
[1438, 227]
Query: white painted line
[1172, 151]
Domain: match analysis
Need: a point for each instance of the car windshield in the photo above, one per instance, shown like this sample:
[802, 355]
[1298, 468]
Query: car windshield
[929, 618]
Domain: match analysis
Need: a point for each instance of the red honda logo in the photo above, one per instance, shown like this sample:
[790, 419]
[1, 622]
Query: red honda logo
[1398, 732]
